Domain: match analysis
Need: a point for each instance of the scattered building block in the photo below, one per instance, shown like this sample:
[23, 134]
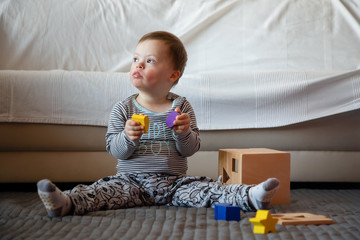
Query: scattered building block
[171, 118]
[225, 211]
[143, 120]
[255, 165]
[263, 222]
[301, 219]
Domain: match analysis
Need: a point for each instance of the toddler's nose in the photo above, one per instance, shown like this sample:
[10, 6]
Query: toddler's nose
[140, 65]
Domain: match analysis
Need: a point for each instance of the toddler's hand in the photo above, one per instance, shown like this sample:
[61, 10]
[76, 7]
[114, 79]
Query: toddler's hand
[182, 122]
[134, 130]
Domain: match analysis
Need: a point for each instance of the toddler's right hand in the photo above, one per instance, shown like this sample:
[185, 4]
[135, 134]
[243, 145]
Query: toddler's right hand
[134, 130]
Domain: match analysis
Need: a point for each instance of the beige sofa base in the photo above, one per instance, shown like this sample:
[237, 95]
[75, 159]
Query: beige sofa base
[306, 166]
[57, 166]
[322, 150]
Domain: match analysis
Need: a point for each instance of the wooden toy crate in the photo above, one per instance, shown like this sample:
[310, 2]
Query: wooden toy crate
[255, 165]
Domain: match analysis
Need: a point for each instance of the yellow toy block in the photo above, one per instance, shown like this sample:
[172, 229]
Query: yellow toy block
[255, 165]
[143, 120]
[263, 222]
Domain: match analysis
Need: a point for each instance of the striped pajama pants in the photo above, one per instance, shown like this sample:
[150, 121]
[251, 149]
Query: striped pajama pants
[146, 189]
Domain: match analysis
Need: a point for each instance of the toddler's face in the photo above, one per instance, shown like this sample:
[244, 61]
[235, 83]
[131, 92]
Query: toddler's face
[152, 66]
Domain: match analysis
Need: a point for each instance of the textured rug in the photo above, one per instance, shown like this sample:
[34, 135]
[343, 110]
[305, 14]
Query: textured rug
[22, 216]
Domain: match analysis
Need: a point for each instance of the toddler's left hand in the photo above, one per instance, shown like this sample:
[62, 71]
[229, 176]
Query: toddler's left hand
[182, 122]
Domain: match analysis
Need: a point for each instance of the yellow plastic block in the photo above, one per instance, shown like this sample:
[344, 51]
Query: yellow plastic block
[255, 165]
[263, 222]
[143, 120]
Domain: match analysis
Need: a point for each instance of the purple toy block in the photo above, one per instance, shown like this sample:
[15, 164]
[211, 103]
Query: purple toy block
[225, 211]
[171, 118]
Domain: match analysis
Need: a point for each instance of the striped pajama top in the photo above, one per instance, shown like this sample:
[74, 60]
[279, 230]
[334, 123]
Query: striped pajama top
[160, 150]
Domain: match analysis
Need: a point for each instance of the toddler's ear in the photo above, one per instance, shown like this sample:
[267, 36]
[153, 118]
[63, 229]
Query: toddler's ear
[175, 76]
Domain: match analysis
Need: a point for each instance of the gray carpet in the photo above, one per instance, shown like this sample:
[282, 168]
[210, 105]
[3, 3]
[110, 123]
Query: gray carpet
[22, 216]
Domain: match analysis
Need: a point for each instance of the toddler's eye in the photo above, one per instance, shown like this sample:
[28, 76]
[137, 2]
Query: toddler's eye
[150, 60]
[135, 59]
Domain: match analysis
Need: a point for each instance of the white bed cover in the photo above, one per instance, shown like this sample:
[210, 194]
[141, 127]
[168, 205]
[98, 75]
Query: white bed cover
[220, 100]
[252, 63]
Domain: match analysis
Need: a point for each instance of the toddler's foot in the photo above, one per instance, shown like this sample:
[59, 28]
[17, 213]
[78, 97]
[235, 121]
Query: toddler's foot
[57, 204]
[261, 194]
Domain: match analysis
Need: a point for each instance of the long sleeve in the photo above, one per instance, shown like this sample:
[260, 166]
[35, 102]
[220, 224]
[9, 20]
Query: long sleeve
[188, 143]
[117, 142]
[161, 149]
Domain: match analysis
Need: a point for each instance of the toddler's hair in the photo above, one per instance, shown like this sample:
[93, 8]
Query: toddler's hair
[176, 48]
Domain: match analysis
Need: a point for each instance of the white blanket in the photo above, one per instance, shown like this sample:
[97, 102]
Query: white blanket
[252, 63]
[231, 35]
[221, 100]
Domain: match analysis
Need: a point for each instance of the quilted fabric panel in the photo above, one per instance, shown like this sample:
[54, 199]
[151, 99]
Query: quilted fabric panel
[22, 216]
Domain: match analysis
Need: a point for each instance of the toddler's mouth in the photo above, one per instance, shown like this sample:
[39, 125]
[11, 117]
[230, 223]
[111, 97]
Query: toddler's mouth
[136, 74]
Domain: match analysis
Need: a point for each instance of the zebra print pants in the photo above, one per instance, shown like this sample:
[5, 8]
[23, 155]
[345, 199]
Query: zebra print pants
[146, 189]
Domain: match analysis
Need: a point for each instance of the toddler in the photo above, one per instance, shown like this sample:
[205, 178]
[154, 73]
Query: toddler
[151, 168]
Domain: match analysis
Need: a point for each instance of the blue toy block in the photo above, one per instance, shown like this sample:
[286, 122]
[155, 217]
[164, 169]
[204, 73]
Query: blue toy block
[225, 211]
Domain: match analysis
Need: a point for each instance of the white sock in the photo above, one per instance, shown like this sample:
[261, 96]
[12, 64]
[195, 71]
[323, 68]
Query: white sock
[260, 195]
[57, 204]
